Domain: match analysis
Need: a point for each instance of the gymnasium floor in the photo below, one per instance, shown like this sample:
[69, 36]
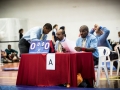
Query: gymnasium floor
[8, 81]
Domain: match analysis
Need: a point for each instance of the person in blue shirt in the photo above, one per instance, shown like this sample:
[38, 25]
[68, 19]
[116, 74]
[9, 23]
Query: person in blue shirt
[101, 34]
[87, 42]
[36, 33]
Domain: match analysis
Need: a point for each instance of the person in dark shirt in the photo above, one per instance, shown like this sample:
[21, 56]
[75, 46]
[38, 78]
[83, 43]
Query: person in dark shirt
[20, 33]
[54, 38]
[63, 28]
[11, 54]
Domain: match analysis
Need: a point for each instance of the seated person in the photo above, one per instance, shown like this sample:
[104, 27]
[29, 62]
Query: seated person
[60, 38]
[59, 48]
[11, 54]
[101, 34]
[4, 57]
[63, 28]
[87, 42]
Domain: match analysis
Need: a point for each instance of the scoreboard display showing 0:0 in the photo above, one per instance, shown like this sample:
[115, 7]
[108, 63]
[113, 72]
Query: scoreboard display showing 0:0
[39, 47]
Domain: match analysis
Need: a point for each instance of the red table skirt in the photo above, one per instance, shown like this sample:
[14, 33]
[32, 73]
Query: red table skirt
[32, 69]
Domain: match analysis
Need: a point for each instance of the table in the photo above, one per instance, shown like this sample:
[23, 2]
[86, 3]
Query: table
[32, 69]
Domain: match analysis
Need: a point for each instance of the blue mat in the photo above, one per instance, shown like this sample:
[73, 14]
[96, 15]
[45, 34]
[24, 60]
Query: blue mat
[10, 69]
[108, 66]
[4, 87]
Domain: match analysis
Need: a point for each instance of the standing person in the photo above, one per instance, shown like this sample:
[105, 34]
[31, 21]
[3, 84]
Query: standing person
[36, 33]
[20, 33]
[63, 28]
[54, 38]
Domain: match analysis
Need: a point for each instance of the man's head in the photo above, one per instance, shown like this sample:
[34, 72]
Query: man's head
[97, 30]
[55, 27]
[47, 28]
[62, 27]
[60, 34]
[9, 46]
[83, 31]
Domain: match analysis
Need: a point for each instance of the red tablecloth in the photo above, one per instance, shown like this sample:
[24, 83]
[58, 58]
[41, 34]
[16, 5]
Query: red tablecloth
[32, 69]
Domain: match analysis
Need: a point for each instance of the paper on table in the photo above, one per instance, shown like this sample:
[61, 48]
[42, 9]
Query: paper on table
[69, 45]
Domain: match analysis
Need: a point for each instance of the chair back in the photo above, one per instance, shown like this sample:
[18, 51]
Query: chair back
[117, 49]
[103, 53]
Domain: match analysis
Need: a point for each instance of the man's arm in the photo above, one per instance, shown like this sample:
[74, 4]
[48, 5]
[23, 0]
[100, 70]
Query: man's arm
[93, 46]
[84, 49]
[105, 34]
[14, 51]
[6, 50]
[92, 31]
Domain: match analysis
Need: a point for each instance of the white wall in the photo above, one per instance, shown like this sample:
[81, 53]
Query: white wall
[9, 28]
[70, 13]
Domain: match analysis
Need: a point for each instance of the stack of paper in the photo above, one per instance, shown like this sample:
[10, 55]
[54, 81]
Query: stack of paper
[69, 45]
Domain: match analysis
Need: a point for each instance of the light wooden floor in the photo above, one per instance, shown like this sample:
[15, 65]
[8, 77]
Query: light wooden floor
[9, 77]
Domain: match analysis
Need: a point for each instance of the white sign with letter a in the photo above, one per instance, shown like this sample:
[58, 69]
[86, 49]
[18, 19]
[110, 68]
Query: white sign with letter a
[50, 61]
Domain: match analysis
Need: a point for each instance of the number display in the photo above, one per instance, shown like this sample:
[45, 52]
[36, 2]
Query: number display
[32, 46]
[39, 47]
[47, 45]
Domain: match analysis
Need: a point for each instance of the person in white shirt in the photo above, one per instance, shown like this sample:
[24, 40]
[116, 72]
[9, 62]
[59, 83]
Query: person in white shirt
[61, 38]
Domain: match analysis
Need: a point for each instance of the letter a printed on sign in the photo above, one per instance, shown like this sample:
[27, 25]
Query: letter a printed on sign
[50, 61]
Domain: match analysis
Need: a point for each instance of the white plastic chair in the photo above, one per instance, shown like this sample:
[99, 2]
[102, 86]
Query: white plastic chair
[111, 61]
[103, 52]
[117, 48]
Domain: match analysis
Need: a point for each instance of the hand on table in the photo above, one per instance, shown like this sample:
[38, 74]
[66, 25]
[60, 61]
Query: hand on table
[63, 49]
[77, 48]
